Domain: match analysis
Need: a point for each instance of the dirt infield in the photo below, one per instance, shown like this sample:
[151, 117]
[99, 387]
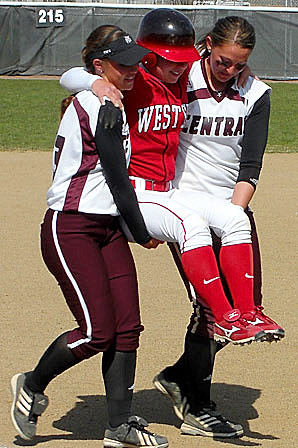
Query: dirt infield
[254, 385]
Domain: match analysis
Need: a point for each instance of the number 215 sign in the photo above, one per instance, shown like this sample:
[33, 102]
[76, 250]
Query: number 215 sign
[46, 17]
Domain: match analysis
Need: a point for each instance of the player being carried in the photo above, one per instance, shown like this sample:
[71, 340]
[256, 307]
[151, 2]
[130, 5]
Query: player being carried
[155, 111]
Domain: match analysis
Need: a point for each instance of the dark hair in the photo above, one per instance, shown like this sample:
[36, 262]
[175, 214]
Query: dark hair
[65, 103]
[229, 30]
[97, 39]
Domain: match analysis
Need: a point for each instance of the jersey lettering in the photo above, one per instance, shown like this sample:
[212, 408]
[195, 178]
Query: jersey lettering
[59, 143]
[159, 116]
[206, 126]
[144, 120]
[176, 110]
[239, 127]
[218, 121]
[228, 126]
[125, 138]
[218, 126]
[193, 129]
[167, 115]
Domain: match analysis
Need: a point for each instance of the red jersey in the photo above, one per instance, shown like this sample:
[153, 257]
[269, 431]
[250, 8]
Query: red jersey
[155, 113]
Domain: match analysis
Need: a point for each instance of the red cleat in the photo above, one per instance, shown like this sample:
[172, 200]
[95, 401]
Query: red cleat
[273, 331]
[237, 330]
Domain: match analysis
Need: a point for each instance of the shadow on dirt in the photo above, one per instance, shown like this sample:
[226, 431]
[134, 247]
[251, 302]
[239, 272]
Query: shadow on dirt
[87, 420]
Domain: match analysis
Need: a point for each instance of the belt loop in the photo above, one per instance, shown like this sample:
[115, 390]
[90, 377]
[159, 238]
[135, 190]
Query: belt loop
[140, 183]
[149, 184]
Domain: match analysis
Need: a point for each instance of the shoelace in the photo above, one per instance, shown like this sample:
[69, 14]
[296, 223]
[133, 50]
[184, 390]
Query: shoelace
[259, 311]
[243, 321]
[138, 426]
[211, 409]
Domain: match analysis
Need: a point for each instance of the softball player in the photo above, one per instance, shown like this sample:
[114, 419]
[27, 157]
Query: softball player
[84, 248]
[220, 154]
[154, 113]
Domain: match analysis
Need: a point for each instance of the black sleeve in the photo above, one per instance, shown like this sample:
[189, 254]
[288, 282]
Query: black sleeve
[254, 141]
[108, 139]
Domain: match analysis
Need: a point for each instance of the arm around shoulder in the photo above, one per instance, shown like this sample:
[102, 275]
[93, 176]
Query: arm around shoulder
[77, 79]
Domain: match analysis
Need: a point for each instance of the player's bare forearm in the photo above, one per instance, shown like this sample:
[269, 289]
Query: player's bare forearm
[77, 79]
[243, 192]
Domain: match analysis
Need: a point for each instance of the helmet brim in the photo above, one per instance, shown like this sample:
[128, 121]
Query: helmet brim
[179, 54]
[173, 53]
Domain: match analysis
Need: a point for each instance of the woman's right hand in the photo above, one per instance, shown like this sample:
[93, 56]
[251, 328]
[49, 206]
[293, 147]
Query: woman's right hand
[102, 88]
[152, 244]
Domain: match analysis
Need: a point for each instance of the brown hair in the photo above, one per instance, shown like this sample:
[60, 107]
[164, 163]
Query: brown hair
[98, 39]
[229, 30]
[65, 103]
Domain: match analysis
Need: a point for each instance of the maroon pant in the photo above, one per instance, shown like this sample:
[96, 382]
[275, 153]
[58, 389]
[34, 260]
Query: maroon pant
[91, 260]
[202, 320]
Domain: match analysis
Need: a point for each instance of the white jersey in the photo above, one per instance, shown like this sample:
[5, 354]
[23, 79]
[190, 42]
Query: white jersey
[78, 180]
[210, 142]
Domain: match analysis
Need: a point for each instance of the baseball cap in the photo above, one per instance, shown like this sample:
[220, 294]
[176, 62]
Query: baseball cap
[123, 50]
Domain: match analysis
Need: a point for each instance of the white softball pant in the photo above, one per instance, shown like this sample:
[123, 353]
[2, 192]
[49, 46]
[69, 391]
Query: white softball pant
[168, 220]
[186, 216]
[228, 221]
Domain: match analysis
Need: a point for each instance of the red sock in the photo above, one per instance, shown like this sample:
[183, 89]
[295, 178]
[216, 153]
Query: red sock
[200, 267]
[236, 263]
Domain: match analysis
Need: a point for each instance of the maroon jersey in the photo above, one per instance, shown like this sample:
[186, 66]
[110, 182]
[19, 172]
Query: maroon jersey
[155, 129]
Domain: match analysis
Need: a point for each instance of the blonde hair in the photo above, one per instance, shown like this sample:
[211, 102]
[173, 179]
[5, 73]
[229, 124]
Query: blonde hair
[229, 30]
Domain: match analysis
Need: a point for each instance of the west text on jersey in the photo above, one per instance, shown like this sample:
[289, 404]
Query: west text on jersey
[159, 116]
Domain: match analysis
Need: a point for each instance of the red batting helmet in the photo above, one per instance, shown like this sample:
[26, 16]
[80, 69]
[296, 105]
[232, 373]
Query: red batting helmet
[168, 33]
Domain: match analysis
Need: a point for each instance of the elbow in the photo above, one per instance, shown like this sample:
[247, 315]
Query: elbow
[62, 80]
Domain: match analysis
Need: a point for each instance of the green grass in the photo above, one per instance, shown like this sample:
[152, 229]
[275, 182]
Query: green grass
[283, 125]
[30, 115]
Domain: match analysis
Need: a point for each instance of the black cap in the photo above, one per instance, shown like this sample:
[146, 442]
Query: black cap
[123, 50]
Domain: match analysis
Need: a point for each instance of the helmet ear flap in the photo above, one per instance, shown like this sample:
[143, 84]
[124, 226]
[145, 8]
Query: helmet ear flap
[150, 60]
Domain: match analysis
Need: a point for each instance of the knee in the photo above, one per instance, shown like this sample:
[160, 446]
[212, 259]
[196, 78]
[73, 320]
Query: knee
[195, 232]
[129, 340]
[86, 348]
[237, 229]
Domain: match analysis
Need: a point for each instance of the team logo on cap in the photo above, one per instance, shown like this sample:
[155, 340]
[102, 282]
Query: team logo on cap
[127, 39]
